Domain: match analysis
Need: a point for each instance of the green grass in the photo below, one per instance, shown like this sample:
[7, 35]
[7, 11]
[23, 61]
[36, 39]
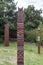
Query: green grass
[31, 57]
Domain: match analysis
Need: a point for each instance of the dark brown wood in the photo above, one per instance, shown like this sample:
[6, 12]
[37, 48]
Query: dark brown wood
[38, 40]
[6, 35]
[20, 38]
[38, 47]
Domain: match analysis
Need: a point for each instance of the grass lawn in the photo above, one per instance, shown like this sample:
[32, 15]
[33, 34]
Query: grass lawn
[8, 55]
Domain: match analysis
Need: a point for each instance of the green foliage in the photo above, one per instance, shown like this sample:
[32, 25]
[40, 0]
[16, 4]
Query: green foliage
[1, 40]
[31, 36]
[8, 14]
[31, 50]
[41, 33]
[32, 17]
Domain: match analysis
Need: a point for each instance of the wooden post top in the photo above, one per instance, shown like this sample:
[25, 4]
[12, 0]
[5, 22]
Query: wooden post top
[7, 25]
[38, 28]
[20, 15]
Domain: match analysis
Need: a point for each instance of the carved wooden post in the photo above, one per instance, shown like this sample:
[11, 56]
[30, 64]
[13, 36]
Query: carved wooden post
[6, 35]
[38, 40]
[20, 38]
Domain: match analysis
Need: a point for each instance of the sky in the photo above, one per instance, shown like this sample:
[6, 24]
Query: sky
[24, 3]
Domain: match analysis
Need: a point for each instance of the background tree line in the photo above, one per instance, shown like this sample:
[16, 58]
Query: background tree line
[8, 14]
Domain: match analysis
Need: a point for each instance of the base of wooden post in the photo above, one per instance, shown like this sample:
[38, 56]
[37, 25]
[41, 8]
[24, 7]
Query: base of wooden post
[38, 47]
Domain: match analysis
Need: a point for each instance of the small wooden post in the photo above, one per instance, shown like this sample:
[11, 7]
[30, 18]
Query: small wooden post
[38, 40]
[6, 35]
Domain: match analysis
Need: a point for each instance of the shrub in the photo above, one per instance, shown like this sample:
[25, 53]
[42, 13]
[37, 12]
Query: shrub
[1, 40]
[31, 50]
[31, 36]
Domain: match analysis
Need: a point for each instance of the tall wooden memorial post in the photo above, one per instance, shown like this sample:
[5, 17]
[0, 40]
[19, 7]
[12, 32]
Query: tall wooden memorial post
[6, 35]
[20, 37]
[38, 40]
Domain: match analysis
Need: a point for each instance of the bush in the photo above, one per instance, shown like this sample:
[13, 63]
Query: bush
[31, 50]
[41, 41]
[1, 40]
[31, 36]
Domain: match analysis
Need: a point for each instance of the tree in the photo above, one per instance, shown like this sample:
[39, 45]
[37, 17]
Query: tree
[32, 17]
[7, 14]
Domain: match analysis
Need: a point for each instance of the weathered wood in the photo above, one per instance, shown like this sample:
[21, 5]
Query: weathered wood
[20, 38]
[6, 35]
[38, 47]
[38, 40]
